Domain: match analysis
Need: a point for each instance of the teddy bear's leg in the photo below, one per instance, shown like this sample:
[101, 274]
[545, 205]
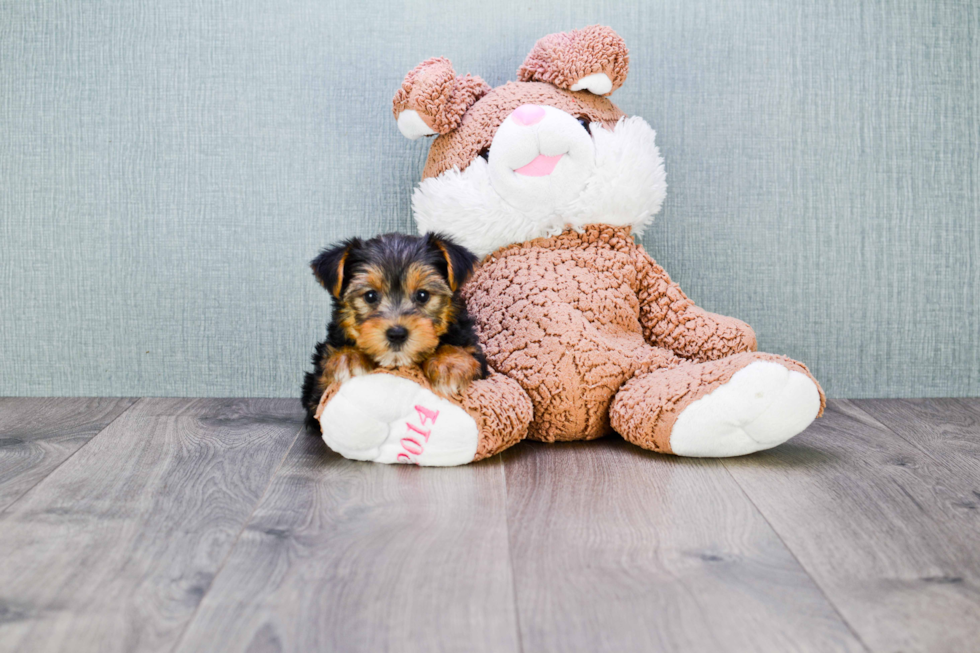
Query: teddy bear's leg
[728, 407]
[396, 418]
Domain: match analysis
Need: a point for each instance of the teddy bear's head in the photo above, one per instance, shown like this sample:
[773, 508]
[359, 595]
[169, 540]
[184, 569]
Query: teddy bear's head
[533, 157]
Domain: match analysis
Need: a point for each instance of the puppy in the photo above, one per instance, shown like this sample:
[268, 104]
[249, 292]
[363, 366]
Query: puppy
[395, 302]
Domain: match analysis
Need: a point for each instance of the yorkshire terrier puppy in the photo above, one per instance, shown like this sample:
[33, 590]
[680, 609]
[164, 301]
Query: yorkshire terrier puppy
[395, 302]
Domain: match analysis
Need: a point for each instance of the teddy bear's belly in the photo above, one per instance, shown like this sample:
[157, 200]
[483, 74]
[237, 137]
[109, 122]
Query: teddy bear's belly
[568, 337]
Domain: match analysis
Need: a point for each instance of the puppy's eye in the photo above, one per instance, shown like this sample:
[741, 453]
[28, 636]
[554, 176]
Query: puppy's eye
[422, 296]
[584, 121]
[485, 153]
[372, 297]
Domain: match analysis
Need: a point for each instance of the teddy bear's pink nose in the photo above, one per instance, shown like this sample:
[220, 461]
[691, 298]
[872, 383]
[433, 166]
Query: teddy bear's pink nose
[528, 114]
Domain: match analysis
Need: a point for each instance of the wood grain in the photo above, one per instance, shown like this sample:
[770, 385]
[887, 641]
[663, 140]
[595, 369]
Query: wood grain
[619, 549]
[970, 403]
[887, 530]
[38, 434]
[114, 550]
[946, 430]
[350, 556]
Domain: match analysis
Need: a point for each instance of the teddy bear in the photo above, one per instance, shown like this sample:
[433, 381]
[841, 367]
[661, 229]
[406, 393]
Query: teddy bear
[550, 183]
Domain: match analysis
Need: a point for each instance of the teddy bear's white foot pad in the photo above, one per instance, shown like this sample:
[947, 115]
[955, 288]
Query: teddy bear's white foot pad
[761, 406]
[387, 419]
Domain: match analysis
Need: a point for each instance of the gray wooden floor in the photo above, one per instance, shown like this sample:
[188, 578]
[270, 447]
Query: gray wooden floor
[218, 525]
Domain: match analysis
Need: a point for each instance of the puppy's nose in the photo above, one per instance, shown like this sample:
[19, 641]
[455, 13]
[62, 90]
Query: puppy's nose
[397, 334]
[528, 114]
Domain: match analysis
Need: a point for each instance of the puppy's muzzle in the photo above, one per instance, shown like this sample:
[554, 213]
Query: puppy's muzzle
[397, 335]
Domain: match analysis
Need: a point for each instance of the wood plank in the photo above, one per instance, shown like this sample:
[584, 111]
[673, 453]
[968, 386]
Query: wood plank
[619, 549]
[971, 403]
[944, 429]
[38, 434]
[114, 550]
[349, 556]
[888, 533]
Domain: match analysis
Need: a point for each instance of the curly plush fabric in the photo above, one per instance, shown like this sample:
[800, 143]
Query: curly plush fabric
[647, 407]
[438, 95]
[673, 321]
[502, 412]
[575, 317]
[565, 58]
[479, 124]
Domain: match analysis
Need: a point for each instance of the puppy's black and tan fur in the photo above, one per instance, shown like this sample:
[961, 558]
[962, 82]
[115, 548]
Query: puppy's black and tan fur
[396, 302]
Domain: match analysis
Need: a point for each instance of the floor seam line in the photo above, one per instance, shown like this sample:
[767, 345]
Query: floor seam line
[510, 558]
[238, 536]
[966, 403]
[138, 401]
[789, 550]
[912, 443]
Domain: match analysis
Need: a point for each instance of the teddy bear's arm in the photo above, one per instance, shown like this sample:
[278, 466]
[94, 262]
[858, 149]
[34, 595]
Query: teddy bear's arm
[671, 320]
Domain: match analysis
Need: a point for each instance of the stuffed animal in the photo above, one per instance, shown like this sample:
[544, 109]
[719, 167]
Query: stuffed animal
[550, 182]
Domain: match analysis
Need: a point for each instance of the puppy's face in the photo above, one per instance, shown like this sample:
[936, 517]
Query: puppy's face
[395, 293]
[396, 313]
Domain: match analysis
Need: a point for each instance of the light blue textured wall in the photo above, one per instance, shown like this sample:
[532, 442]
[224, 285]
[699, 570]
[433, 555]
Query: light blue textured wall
[167, 169]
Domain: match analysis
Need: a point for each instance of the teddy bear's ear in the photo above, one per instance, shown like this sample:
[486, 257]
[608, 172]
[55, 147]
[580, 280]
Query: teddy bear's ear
[593, 59]
[433, 99]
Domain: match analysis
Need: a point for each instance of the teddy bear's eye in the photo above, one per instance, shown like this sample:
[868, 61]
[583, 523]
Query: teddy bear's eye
[584, 121]
[485, 153]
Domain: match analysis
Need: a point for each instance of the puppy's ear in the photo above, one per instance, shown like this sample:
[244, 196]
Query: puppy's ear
[459, 260]
[329, 266]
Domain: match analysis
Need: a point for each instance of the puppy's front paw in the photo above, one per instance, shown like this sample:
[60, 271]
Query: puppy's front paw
[344, 364]
[450, 370]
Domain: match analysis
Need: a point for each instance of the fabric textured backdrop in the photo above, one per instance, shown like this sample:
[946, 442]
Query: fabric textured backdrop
[168, 169]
